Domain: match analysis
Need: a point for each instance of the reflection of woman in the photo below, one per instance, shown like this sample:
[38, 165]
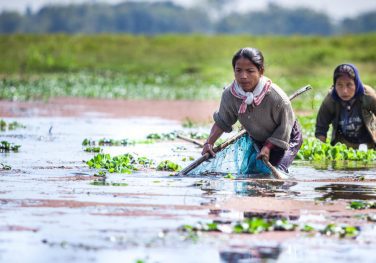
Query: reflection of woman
[261, 107]
[350, 107]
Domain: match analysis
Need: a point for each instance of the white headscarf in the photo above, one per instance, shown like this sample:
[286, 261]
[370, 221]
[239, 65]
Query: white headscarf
[250, 97]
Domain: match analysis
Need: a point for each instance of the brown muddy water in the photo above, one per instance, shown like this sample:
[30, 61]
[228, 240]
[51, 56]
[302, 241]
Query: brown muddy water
[52, 211]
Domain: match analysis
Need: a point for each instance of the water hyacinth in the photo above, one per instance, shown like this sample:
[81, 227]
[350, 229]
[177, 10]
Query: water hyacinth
[167, 165]
[126, 163]
[10, 126]
[6, 146]
[256, 225]
[107, 142]
[315, 150]
[362, 205]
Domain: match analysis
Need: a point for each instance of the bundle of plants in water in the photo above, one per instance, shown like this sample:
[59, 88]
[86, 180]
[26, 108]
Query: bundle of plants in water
[315, 150]
[126, 163]
[7, 147]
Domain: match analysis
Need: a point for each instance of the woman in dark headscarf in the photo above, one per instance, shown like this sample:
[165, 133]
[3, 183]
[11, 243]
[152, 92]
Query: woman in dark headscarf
[350, 107]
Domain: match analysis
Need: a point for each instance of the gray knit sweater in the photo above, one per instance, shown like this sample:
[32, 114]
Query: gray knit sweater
[271, 121]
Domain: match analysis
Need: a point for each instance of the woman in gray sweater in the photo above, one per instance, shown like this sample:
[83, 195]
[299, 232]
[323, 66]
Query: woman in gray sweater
[261, 107]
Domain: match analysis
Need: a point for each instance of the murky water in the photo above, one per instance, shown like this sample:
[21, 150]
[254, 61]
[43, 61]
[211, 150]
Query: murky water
[52, 209]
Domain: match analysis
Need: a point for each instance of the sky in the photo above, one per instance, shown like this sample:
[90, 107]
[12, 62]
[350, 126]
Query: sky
[337, 9]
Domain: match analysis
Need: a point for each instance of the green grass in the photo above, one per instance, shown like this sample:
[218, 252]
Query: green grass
[171, 66]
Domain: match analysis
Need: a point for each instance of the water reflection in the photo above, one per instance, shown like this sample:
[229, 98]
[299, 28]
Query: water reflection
[346, 191]
[264, 188]
[344, 165]
[255, 254]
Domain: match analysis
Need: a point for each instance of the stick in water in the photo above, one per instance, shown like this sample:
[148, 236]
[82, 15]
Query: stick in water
[182, 137]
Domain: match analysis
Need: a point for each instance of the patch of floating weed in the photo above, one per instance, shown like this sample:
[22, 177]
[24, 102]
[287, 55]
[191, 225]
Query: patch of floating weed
[10, 126]
[362, 205]
[7, 147]
[104, 183]
[340, 231]
[126, 163]
[5, 166]
[93, 149]
[162, 136]
[229, 176]
[167, 165]
[100, 174]
[317, 151]
[198, 135]
[107, 142]
[190, 158]
[258, 225]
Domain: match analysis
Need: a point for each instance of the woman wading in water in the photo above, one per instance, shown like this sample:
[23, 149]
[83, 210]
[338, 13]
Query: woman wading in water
[262, 108]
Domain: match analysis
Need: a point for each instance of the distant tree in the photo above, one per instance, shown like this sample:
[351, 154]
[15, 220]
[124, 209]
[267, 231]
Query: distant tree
[10, 22]
[165, 17]
[277, 20]
[361, 24]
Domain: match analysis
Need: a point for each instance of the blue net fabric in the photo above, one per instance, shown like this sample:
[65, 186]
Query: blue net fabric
[239, 159]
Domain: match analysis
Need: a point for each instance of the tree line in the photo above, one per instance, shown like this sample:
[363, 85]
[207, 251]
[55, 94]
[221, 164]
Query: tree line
[165, 17]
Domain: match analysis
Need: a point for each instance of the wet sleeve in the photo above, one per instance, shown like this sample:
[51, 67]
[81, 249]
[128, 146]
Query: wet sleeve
[225, 117]
[284, 117]
[324, 118]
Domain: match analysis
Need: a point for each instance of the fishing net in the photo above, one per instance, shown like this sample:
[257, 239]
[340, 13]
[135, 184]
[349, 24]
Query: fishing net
[239, 158]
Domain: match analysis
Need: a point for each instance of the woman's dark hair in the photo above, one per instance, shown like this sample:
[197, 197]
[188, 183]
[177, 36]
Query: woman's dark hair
[252, 54]
[343, 70]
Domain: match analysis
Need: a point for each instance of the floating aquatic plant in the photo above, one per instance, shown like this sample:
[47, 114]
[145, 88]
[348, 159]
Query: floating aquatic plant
[10, 126]
[198, 135]
[315, 150]
[107, 142]
[229, 176]
[340, 231]
[5, 166]
[7, 147]
[126, 163]
[104, 183]
[257, 225]
[362, 204]
[190, 158]
[167, 165]
[93, 149]
[162, 136]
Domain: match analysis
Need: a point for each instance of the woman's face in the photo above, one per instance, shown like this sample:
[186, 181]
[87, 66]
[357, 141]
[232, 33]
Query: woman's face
[247, 74]
[345, 87]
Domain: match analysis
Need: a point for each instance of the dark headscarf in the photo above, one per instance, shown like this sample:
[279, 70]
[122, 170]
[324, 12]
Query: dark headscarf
[358, 83]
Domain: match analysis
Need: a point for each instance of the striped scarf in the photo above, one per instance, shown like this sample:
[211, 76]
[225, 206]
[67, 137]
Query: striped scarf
[251, 98]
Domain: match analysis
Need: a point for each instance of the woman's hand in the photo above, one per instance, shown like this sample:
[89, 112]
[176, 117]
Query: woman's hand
[264, 154]
[208, 148]
[215, 133]
[322, 138]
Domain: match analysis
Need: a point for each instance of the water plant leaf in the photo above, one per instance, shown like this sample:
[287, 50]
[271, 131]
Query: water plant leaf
[6, 146]
[167, 165]
[126, 163]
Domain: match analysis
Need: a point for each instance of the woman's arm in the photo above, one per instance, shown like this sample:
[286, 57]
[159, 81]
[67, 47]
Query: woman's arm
[215, 133]
[323, 120]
